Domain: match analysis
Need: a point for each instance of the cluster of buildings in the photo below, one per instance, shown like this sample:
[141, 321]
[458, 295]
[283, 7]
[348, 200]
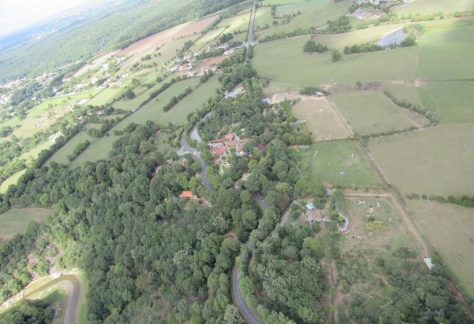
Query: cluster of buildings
[226, 146]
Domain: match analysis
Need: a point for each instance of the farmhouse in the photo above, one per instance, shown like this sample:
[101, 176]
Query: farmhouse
[222, 147]
[188, 194]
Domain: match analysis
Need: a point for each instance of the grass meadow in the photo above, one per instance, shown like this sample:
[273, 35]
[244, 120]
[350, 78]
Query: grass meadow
[313, 13]
[322, 119]
[16, 220]
[271, 61]
[428, 7]
[440, 224]
[369, 112]
[61, 155]
[377, 233]
[100, 148]
[435, 160]
[340, 163]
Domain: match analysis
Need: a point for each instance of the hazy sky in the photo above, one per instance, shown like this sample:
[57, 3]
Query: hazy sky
[17, 14]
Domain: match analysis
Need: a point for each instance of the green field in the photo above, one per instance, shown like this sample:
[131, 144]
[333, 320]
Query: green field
[340, 163]
[11, 181]
[61, 155]
[40, 117]
[436, 160]
[371, 254]
[446, 51]
[312, 13]
[106, 96]
[431, 6]
[371, 112]
[153, 111]
[450, 229]
[271, 61]
[16, 220]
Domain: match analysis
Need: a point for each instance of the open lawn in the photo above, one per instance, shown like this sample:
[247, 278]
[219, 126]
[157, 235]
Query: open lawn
[446, 51]
[106, 96]
[369, 112]
[153, 111]
[451, 101]
[450, 229]
[271, 61]
[432, 6]
[16, 220]
[40, 117]
[435, 160]
[322, 119]
[340, 163]
[307, 14]
[11, 181]
[61, 155]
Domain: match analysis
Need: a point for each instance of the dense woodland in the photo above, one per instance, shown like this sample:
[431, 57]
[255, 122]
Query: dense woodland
[151, 257]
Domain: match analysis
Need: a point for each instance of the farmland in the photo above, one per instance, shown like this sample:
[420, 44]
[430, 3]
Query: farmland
[322, 119]
[418, 162]
[311, 70]
[371, 112]
[339, 163]
[16, 220]
[440, 224]
[377, 244]
[61, 156]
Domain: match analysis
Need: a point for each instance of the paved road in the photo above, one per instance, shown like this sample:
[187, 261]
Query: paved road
[249, 315]
[250, 32]
[73, 287]
[187, 149]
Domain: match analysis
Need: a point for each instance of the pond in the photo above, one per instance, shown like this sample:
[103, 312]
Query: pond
[393, 38]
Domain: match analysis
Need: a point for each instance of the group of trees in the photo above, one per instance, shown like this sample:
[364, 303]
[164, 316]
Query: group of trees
[312, 47]
[174, 100]
[356, 48]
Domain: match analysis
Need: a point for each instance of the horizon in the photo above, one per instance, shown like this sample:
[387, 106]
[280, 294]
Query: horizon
[16, 16]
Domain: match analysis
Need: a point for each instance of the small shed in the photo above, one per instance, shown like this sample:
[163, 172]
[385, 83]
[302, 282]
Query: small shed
[429, 263]
[310, 206]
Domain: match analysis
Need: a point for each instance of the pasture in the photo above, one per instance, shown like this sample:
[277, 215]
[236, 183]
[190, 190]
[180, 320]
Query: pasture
[377, 241]
[271, 61]
[340, 163]
[12, 180]
[100, 148]
[435, 160]
[369, 112]
[16, 220]
[323, 120]
[440, 224]
[61, 156]
[106, 96]
[44, 115]
[446, 51]
[432, 6]
[307, 14]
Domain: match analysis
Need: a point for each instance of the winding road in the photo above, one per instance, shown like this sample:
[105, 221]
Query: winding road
[73, 286]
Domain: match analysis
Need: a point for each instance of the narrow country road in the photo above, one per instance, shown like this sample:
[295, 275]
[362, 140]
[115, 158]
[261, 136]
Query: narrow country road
[250, 32]
[73, 287]
[249, 315]
[187, 149]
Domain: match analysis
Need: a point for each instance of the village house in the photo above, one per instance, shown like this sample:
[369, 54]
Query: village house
[223, 147]
[188, 194]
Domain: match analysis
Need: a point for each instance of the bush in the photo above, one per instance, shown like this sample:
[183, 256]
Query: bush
[312, 47]
[336, 55]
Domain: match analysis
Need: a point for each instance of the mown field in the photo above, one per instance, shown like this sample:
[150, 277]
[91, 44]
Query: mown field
[450, 229]
[271, 61]
[61, 156]
[322, 119]
[369, 112]
[432, 6]
[303, 14]
[436, 160]
[339, 163]
[100, 148]
[16, 220]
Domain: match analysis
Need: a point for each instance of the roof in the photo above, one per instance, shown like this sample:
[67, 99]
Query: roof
[187, 194]
[220, 150]
[310, 206]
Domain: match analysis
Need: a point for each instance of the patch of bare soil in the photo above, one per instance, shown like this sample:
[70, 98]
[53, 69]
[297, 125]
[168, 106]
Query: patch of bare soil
[196, 27]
